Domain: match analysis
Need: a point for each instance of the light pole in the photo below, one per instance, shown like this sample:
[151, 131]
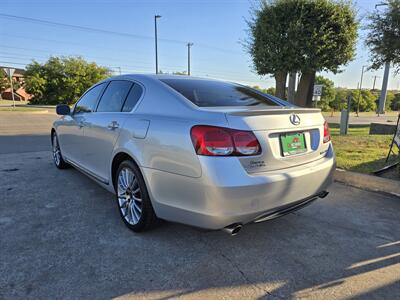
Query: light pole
[189, 45]
[155, 38]
[359, 94]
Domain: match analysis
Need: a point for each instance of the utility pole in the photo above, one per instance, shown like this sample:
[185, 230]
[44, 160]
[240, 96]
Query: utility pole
[373, 86]
[189, 45]
[382, 97]
[359, 94]
[155, 39]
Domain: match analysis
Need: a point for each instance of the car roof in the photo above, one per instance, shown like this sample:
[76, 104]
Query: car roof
[139, 76]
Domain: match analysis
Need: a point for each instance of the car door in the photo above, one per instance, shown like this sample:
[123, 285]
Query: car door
[103, 127]
[71, 133]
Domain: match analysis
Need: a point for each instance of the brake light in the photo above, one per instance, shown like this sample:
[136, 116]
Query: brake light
[220, 141]
[327, 136]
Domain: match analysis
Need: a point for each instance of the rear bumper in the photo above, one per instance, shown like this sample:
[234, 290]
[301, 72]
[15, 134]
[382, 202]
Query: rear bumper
[227, 194]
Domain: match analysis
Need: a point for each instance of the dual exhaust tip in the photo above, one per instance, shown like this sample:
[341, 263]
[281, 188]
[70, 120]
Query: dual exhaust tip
[234, 229]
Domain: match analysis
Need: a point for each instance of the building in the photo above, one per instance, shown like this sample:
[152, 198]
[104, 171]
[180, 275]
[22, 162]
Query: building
[20, 94]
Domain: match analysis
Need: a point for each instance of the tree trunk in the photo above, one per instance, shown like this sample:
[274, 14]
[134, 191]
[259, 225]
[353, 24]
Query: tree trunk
[305, 89]
[280, 84]
[291, 87]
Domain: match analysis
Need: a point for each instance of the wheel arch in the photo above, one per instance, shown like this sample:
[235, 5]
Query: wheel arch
[53, 131]
[117, 160]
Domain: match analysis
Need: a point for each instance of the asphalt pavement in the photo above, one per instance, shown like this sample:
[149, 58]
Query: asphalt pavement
[25, 132]
[61, 237]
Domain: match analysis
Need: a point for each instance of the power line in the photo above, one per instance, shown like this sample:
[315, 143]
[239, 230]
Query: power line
[84, 28]
[13, 63]
[104, 31]
[36, 39]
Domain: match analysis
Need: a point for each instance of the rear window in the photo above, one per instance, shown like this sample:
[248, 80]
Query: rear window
[209, 93]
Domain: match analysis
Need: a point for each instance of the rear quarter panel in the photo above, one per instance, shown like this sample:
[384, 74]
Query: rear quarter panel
[157, 133]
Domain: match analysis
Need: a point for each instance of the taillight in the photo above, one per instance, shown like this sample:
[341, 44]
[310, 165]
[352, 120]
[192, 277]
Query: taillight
[220, 141]
[327, 136]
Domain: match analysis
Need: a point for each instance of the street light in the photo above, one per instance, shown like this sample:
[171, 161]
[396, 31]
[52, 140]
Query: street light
[155, 38]
[189, 45]
[359, 94]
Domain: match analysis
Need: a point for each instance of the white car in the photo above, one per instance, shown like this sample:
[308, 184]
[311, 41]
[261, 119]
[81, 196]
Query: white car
[201, 152]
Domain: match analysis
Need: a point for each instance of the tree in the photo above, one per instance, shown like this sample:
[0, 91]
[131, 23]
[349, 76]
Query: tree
[3, 81]
[269, 90]
[395, 105]
[301, 36]
[367, 100]
[328, 92]
[383, 39]
[272, 41]
[340, 100]
[62, 79]
[389, 99]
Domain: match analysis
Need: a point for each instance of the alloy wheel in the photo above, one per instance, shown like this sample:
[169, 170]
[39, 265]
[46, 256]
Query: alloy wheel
[129, 196]
[56, 151]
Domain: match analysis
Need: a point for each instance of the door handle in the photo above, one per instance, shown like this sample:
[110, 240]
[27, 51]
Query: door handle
[113, 125]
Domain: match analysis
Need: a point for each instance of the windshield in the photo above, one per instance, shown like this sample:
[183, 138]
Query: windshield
[210, 93]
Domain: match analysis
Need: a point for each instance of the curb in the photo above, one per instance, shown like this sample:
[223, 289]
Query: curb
[38, 111]
[42, 111]
[368, 182]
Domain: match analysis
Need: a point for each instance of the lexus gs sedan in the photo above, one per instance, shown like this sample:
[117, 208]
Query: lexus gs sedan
[201, 152]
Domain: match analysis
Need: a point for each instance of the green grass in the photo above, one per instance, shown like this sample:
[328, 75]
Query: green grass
[358, 151]
[361, 114]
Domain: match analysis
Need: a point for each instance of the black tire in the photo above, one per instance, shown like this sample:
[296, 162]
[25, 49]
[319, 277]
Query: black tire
[57, 157]
[147, 219]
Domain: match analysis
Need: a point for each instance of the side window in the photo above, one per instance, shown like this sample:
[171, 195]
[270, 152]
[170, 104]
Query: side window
[114, 96]
[133, 97]
[88, 101]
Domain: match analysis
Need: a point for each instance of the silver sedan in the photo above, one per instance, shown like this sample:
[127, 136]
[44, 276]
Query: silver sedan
[201, 152]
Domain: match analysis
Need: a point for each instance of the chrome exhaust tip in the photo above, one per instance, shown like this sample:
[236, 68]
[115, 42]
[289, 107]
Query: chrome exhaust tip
[233, 229]
[323, 194]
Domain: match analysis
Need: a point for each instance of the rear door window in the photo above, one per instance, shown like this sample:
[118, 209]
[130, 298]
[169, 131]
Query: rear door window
[88, 101]
[114, 96]
[210, 93]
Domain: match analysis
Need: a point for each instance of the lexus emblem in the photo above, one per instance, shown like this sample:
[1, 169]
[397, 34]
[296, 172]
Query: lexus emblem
[294, 119]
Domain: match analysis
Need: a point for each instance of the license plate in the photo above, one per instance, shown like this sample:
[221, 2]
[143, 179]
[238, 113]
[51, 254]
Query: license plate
[293, 143]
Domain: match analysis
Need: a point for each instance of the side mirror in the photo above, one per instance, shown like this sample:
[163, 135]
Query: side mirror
[63, 110]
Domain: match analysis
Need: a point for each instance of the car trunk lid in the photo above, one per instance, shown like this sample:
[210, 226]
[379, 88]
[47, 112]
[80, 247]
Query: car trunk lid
[276, 128]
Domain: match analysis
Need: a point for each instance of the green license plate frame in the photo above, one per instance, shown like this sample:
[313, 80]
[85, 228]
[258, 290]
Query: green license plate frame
[292, 143]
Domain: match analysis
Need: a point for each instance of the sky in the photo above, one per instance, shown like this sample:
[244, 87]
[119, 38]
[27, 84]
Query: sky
[125, 37]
